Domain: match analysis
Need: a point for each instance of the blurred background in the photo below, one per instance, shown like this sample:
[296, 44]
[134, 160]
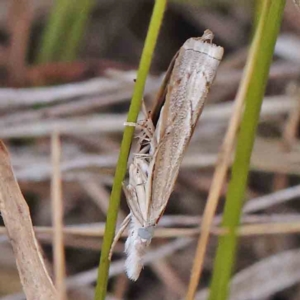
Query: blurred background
[70, 66]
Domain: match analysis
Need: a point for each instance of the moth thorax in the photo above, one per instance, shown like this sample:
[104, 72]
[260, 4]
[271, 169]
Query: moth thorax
[146, 233]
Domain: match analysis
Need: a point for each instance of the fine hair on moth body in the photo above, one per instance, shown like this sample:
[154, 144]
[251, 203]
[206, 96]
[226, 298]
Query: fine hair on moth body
[164, 137]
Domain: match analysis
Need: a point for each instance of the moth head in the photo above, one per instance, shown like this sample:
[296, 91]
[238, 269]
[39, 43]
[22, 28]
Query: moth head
[207, 36]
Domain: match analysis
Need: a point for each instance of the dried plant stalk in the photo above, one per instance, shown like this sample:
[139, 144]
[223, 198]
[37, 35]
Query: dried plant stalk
[35, 279]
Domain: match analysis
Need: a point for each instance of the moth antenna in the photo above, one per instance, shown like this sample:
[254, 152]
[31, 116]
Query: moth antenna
[123, 226]
[144, 109]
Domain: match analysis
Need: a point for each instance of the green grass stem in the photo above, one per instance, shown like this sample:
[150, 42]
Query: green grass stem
[54, 31]
[252, 88]
[64, 30]
[153, 31]
[81, 13]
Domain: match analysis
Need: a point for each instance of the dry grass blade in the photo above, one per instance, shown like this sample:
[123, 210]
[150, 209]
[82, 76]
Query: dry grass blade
[274, 224]
[291, 125]
[57, 218]
[272, 199]
[11, 98]
[34, 277]
[80, 125]
[14, 126]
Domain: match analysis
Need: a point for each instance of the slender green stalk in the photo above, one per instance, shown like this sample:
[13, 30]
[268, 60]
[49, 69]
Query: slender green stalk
[155, 24]
[54, 32]
[64, 30]
[258, 5]
[212, 2]
[253, 88]
[81, 13]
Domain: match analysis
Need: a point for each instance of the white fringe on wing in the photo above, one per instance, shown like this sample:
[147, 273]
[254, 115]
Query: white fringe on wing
[135, 249]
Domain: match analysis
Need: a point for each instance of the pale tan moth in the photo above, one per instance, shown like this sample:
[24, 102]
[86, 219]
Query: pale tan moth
[164, 138]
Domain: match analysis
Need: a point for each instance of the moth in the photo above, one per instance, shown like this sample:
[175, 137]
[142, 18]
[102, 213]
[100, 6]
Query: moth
[164, 137]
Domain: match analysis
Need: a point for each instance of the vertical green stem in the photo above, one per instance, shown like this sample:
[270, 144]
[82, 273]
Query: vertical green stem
[81, 14]
[252, 88]
[54, 31]
[64, 30]
[155, 24]
[258, 5]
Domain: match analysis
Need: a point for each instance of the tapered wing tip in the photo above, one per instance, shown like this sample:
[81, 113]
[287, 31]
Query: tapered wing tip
[133, 277]
[133, 270]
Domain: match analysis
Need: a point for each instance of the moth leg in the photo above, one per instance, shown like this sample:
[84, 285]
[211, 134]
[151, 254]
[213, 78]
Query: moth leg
[144, 109]
[139, 173]
[147, 145]
[123, 226]
[141, 125]
[148, 119]
[144, 172]
[145, 125]
[147, 130]
[146, 133]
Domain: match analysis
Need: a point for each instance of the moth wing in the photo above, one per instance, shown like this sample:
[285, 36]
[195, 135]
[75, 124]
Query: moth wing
[133, 204]
[193, 73]
[165, 170]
